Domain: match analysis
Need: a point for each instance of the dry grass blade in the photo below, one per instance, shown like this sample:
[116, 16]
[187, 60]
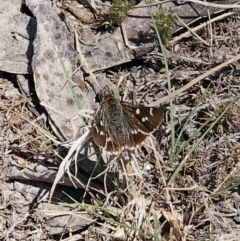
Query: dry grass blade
[191, 31]
[195, 81]
[68, 160]
[201, 26]
[207, 4]
[181, 165]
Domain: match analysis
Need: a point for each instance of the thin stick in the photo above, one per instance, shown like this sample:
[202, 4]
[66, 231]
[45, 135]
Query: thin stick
[207, 4]
[194, 81]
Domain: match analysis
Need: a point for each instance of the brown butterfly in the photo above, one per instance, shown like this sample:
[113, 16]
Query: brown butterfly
[120, 125]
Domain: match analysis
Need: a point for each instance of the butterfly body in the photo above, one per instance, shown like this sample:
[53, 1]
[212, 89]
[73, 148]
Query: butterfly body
[120, 125]
[115, 121]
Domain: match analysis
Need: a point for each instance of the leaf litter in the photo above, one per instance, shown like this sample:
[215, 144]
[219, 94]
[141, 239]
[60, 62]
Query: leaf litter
[200, 202]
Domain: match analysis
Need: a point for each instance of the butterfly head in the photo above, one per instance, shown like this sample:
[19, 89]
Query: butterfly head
[104, 94]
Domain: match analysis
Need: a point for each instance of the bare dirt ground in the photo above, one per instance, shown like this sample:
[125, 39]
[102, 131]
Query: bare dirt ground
[182, 183]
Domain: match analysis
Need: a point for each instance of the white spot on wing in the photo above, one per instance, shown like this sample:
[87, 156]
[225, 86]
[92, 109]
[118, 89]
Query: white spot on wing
[151, 111]
[101, 123]
[96, 129]
[134, 132]
[137, 111]
[101, 133]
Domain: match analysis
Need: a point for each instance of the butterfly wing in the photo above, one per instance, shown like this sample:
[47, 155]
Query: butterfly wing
[143, 118]
[120, 125]
[142, 121]
[102, 138]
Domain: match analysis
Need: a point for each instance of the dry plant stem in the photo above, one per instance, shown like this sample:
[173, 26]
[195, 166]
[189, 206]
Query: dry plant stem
[187, 189]
[232, 174]
[187, 34]
[56, 111]
[193, 82]
[189, 223]
[84, 61]
[204, 106]
[85, 64]
[158, 161]
[180, 166]
[125, 38]
[76, 237]
[191, 31]
[210, 26]
[64, 166]
[131, 188]
[206, 201]
[91, 176]
[175, 56]
[207, 4]
[43, 131]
